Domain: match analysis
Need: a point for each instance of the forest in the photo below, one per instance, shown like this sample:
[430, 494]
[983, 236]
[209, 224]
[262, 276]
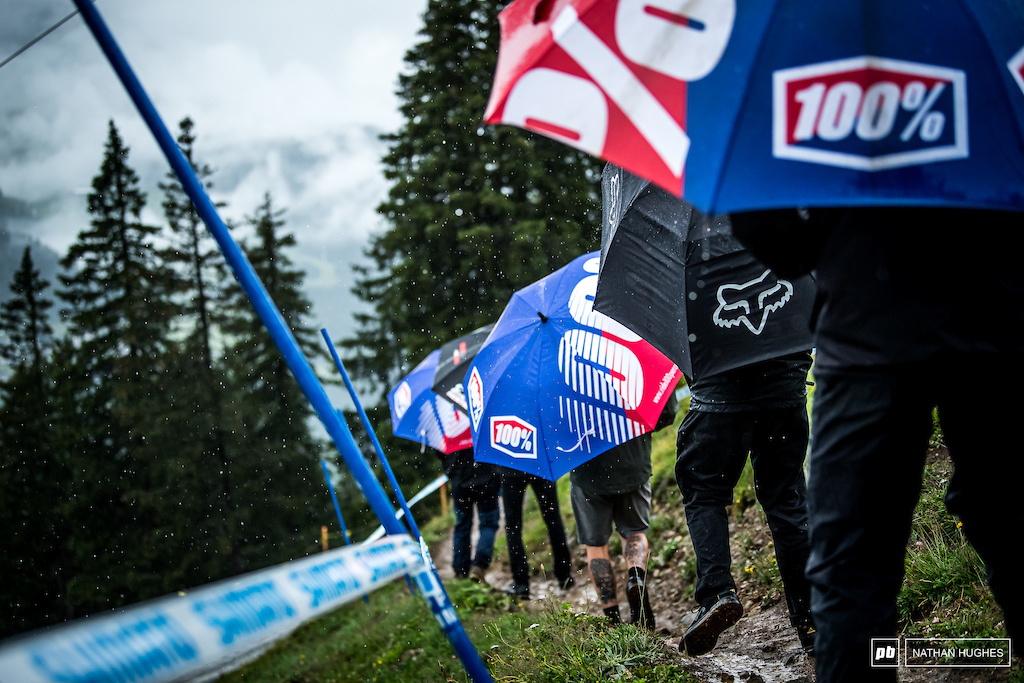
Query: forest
[153, 439]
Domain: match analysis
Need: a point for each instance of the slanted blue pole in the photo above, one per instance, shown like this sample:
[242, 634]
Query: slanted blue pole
[373, 435]
[428, 580]
[334, 498]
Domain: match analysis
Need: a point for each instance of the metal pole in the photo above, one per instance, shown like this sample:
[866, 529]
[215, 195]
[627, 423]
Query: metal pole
[428, 580]
[373, 435]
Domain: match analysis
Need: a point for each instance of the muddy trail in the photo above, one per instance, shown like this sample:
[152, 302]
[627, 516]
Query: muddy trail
[761, 648]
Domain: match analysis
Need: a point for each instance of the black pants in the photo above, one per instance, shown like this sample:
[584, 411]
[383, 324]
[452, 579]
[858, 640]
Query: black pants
[870, 437]
[512, 489]
[712, 450]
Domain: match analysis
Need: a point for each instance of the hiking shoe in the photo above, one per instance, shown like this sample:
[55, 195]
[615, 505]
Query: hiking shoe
[639, 605]
[476, 573]
[567, 583]
[708, 623]
[806, 635]
[804, 625]
[519, 591]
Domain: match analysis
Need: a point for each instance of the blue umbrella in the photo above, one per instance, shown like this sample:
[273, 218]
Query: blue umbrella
[862, 102]
[558, 383]
[770, 104]
[420, 415]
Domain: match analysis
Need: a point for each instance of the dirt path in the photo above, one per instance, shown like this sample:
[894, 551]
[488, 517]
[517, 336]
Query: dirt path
[761, 648]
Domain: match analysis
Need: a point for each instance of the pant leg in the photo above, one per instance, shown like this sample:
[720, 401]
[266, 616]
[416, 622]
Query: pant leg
[869, 438]
[512, 489]
[547, 499]
[982, 436]
[488, 516]
[711, 455]
[462, 536]
[777, 456]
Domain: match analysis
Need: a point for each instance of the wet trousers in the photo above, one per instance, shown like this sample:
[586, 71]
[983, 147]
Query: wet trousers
[870, 437]
[513, 489]
[712, 449]
[487, 513]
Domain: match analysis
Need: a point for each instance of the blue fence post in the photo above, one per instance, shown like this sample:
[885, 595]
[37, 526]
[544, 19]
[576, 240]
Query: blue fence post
[429, 582]
[373, 435]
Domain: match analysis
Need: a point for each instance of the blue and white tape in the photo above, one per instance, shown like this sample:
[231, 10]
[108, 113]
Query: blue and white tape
[181, 637]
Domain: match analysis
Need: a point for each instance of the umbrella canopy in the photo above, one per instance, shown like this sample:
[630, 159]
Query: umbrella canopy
[682, 282]
[453, 362]
[743, 105]
[558, 383]
[420, 415]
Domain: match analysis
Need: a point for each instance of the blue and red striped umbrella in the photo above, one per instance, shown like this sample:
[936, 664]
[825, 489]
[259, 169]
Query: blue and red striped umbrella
[740, 105]
[558, 383]
[421, 415]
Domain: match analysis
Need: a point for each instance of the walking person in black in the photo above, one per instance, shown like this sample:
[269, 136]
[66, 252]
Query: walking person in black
[513, 490]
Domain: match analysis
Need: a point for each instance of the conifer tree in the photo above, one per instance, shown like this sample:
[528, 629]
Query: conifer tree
[474, 212]
[24, 319]
[32, 469]
[118, 310]
[279, 487]
[199, 462]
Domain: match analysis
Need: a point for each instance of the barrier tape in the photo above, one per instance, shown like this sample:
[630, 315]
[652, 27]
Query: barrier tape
[181, 637]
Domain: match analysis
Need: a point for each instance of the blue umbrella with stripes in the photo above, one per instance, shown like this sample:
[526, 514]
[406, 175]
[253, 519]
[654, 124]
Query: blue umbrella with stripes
[558, 383]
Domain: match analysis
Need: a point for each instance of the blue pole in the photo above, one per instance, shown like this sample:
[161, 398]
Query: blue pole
[373, 435]
[430, 583]
[334, 497]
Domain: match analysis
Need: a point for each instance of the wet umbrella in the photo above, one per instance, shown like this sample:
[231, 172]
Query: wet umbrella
[420, 415]
[557, 383]
[454, 359]
[742, 105]
[682, 282]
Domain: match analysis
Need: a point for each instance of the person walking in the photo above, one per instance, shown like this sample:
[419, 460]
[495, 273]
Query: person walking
[513, 490]
[760, 410]
[615, 488]
[475, 487]
[918, 309]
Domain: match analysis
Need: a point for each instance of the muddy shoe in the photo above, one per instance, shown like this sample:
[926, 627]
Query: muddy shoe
[709, 622]
[476, 573]
[519, 591]
[806, 636]
[804, 625]
[639, 605]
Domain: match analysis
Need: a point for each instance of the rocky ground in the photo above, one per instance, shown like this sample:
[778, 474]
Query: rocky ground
[761, 648]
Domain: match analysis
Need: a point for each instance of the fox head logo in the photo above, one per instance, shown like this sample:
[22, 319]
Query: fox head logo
[752, 302]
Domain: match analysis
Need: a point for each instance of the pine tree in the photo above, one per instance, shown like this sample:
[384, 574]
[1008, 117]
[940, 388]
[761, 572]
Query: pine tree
[32, 470]
[279, 487]
[199, 462]
[24, 319]
[474, 212]
[119, 314]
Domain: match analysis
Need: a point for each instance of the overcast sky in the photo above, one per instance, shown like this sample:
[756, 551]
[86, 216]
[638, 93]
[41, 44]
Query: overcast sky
[286, 97]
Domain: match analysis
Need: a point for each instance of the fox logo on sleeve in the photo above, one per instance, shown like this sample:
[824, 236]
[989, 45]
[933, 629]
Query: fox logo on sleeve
[750, 303]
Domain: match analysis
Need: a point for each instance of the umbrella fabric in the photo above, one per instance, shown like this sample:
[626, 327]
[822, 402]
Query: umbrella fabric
[453, 362]
[742, 105]
[420, 415]
[558, 383]
[686, 285]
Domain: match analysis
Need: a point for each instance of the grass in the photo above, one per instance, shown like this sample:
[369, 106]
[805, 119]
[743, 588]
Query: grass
[404, 644]
[394, 637]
